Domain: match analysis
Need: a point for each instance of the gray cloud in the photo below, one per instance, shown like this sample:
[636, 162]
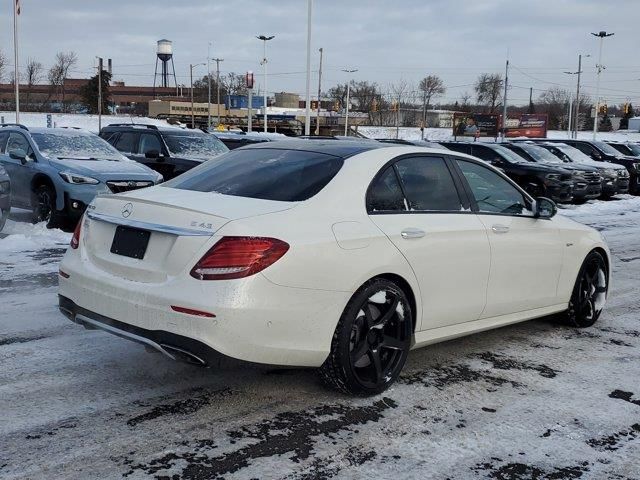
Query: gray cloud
[385, 40]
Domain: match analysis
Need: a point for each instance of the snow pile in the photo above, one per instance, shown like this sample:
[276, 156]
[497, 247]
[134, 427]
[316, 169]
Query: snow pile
[621, 205]
[25, 237]
[445, 134]
[86, 122]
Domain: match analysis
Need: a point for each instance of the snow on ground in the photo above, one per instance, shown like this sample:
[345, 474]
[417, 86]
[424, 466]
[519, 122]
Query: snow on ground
[445, 134]
[86, 122]
[533, 400]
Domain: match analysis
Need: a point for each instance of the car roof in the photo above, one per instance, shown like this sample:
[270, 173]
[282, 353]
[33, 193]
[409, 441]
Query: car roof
[329, 147]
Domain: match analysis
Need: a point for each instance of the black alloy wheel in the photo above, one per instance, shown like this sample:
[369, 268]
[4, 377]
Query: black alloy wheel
[372, 340]
[589, 293]
[44, 206]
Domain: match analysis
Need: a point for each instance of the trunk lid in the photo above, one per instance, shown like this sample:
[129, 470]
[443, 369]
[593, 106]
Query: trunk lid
[180, 225]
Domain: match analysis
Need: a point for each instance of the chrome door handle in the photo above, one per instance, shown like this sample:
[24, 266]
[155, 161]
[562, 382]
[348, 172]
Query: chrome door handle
[412, 233]
[500, 229]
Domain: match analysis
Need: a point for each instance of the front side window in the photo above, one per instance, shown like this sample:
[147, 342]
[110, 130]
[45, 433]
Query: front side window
[149, 142]
[126, 142]
[265, 173]
[492, 193]
[385, 193]
[428, 184]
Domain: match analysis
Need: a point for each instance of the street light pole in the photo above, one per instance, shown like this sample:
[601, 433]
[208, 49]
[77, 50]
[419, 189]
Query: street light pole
[265, 39]
[193, 119]
[319, 94]
[307, 113]
[209, 86]
[346, 115]
[602, 35]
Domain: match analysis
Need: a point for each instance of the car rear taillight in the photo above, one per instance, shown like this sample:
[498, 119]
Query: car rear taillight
[75, 239]
[238, 257]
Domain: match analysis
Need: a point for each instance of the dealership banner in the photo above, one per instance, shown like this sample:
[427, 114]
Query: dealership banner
[476, 125]
[532, 125]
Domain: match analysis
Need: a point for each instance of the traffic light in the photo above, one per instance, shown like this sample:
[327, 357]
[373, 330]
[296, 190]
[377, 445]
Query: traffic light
[394, 106]
[374, 105]
[625, 108]
[336, 105]
[603, 109]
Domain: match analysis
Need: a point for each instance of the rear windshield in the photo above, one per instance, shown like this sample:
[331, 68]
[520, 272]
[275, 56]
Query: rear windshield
[540, 154]
[269, 174]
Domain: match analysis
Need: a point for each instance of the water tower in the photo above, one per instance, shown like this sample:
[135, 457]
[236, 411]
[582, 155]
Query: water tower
[164, 54]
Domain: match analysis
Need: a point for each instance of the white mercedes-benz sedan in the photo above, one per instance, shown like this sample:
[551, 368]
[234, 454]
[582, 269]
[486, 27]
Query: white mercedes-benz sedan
[331, 254]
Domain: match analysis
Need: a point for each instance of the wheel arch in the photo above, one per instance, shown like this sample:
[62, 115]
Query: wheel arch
[40, 179]
[406, 288]
[605, 256]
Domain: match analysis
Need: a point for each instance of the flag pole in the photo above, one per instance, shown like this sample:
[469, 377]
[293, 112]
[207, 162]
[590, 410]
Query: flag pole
[16, 75]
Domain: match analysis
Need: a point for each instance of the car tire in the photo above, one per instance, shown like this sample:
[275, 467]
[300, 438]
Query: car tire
[371, 341]
[44, 206]
[589, 292]
[3, 218]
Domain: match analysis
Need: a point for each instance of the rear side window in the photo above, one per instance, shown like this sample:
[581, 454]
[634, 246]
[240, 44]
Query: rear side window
[149, 142]
[269, 174]
[385, 193]
[428, 184]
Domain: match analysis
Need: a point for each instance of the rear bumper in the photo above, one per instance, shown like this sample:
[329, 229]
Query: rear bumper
[255, 319]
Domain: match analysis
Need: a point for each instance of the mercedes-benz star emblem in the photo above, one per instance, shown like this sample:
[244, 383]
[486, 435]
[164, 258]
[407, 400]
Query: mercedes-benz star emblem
[127, 209]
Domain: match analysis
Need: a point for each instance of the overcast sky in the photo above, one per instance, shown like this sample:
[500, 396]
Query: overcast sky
[385, 40]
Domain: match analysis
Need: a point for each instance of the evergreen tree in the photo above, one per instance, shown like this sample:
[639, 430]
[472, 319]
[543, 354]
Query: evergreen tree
[605, 124]
[624, 121]
[89, 93]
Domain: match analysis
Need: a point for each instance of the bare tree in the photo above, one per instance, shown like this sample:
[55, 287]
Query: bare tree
[488, 88]
[33, 74]
[3, 64]
[430, 86]
[399, 93]
[465, 101]
[234, 83]
[64, 62]
[555, 102]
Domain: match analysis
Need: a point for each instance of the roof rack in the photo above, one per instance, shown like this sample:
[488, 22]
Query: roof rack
[74, 128]
[19, 125]
[145, 125]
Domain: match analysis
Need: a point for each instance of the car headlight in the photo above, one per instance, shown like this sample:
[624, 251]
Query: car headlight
[159, 178]
[77, 179]
[610, 172]
[576, 175]
[624, 173]
[4, 187]
[636, 166]
[553, 176]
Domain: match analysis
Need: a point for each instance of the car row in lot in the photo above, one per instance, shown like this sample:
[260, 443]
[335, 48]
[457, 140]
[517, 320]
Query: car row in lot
[56, 172]
[341, 255]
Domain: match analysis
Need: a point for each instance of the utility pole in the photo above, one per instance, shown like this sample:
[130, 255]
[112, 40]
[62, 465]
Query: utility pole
[99, 93]
[249, 83]
[346, 116]
[569, 117]
[265, 39]
[307, 113]
[530, 96]
[504, 101]
[209, 86]
[218, 60]
[319, 94]
[602, 35]
[574, 128]
[16, 70]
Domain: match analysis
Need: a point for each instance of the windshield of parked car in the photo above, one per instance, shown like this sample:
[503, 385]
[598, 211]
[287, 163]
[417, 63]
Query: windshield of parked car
[540, 154]
[75, 146]
[269, 174]
[608, 149]
[199, 147]
[635, 149]
[574, 154]
[509, 155]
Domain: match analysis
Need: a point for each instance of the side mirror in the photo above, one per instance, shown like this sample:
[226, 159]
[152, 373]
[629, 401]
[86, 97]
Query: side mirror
[152, 154]
[544, 208]
[497, 162]
[18, 154]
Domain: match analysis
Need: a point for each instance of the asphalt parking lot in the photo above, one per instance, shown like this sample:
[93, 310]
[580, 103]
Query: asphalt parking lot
[534, 400]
